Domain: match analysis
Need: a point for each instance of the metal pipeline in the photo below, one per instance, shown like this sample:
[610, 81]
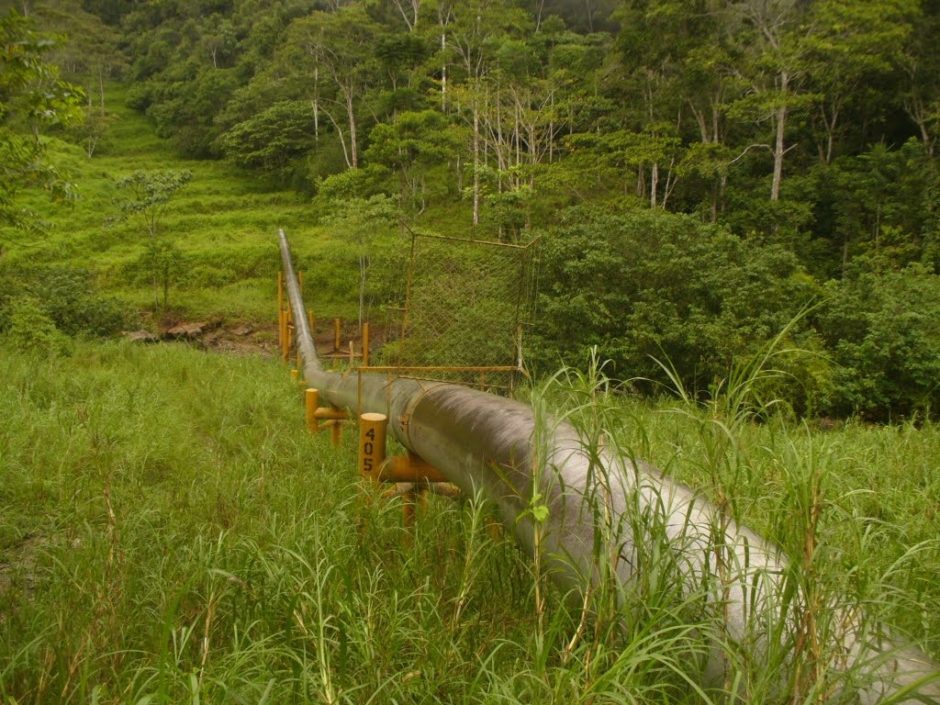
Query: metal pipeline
[485, 443]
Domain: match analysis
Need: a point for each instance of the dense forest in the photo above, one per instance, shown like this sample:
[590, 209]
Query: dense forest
[702, 174]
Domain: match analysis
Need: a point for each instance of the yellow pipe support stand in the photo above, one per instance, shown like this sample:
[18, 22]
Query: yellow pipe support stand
[311, 402]
[365, 344]
[373, 429]
[329, 413]
[409, 468]
[294, 374]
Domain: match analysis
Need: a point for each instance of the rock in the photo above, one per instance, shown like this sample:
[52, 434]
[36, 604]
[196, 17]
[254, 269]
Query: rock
[213, 337]
[140, 336]
[185, 331]
[243, 330]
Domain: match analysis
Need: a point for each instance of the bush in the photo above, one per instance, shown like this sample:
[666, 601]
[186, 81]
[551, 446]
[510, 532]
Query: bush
[884, 334]
[67, 295]
[33, 330]
[648, 284]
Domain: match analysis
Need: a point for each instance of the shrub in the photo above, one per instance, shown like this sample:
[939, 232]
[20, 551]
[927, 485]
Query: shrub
[67, 295]
[648, 284]
[33, 330]
[884, 333]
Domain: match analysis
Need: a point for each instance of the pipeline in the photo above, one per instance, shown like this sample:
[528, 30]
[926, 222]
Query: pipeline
[495, 446]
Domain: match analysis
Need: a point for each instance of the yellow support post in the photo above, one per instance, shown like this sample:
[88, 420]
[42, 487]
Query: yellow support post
[365, 344]
[288, 338]
[372, 433]
[336, 433]
[294, 374]
[334, 417]
[280, 290]
[281, 328]
[311, 403]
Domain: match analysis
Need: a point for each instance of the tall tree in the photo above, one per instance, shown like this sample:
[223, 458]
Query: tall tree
[340, 45]
[771, 33]
[850, 45]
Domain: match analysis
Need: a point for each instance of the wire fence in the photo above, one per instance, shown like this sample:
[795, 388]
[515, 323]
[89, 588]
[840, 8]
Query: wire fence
[465, 309]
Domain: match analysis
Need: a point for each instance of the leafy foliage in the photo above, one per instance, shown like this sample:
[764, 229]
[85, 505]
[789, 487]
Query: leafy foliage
[32, 330]
[644, 286]
[149, 194]
[32, 98]
[69, 298]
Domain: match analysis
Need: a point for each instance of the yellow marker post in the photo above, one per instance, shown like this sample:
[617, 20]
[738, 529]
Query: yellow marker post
[311, 402]
[372, 432]
[288, 339]
[281, 328]
[365, 344]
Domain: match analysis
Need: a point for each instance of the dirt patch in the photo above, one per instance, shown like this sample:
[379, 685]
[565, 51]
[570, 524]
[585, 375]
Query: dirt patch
[18, 564]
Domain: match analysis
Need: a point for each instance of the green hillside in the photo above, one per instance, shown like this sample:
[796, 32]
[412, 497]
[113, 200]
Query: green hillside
[224, 222]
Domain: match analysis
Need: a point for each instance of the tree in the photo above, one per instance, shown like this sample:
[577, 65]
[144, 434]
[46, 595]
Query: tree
[271, 139]
[921, 65]
[771, 33]
[413, 144]
[149, 195]
[850, 45]
[340, 44]
[32, 98]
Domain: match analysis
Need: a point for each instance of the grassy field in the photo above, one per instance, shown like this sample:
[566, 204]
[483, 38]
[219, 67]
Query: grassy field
[169, 534]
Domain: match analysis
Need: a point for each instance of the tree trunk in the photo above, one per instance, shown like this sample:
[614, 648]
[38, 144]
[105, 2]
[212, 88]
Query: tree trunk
[780, 118]
[316, 105]
[476, 162]
[101, 88]
[654, 183]
[353, 151]
[443, 70]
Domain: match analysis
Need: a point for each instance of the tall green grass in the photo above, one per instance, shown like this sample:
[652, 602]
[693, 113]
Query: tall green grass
[169, 533]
